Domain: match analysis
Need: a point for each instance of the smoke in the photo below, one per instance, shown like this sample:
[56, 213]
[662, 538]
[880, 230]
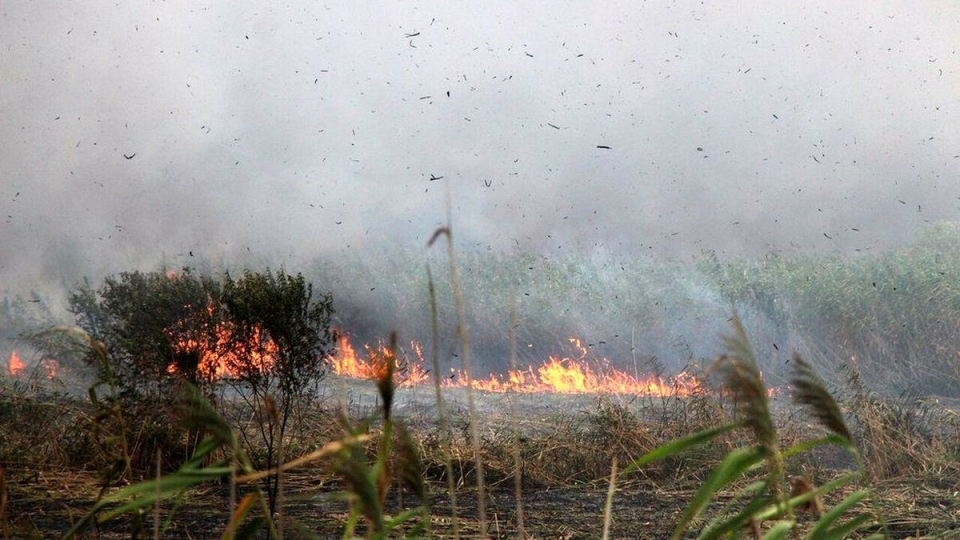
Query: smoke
[141, 135]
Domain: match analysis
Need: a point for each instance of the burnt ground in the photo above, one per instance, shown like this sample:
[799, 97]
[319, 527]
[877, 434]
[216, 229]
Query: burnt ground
[44, 505]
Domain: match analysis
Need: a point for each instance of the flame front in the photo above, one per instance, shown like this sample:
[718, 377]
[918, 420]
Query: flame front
[557, 375]
[346, 363]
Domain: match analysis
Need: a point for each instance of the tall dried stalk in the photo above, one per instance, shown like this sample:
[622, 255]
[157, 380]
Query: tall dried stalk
[465, 354]
[608, 506]
[517, 456]
[441, 413]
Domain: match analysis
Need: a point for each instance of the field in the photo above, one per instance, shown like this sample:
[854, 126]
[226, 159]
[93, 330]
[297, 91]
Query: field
[866, 411]
[567, 443]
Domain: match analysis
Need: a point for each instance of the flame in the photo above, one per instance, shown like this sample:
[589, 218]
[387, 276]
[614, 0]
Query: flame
[558, 375]
[222, 358]
[347, 363]
[16, 366]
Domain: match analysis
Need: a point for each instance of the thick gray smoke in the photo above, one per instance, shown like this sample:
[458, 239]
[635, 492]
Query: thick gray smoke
[135, 134]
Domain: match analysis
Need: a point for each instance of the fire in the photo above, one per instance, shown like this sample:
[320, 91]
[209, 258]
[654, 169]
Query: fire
[575, 376]
[346, 363]
[219, 360]
[558, 375]
[15, 366]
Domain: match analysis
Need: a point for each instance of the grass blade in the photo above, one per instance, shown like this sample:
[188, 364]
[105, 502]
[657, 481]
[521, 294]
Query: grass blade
[735, 464]
[779, 530]
[679, 445]
[825, 521]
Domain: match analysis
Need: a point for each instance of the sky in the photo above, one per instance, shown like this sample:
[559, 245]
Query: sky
[139, 132]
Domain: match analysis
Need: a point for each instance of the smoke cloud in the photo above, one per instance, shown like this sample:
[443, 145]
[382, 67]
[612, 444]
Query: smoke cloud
[136, 134]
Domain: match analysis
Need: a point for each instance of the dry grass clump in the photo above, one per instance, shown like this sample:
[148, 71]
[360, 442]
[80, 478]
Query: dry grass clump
[44, 430]
[905, 437]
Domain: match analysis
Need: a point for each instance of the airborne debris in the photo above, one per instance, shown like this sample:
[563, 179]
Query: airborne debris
[605, 147]
[131, 156]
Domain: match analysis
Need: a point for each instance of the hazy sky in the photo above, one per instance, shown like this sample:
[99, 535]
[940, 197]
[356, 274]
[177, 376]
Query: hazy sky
[290, 131]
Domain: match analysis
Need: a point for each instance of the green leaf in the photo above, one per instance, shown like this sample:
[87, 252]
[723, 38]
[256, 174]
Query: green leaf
[774, 511]
[841, 531]
[827, 519]
[678, 445]
[735, 464]
[803, 446]
[735, 523]
[779, 530]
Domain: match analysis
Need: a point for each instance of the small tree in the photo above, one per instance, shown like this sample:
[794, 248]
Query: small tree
[278, 340]
[155, 324]
[156, 328]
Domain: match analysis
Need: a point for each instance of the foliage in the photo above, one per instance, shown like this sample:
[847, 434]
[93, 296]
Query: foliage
[761, 463]
[153, 324]
[221, 458]
[894, 313]
[279, 336]
[277, 316]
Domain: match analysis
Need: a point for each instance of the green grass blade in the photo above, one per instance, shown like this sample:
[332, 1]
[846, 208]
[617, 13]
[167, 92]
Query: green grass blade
[678, 445]
[826, 520]
[735, 464]
[779, 530]
[146, 494]
[803, 446]
[720, 528]
[841, 531]
[773, 511]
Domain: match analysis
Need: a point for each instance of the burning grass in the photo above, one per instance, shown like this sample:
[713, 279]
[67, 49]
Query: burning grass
[557, 374]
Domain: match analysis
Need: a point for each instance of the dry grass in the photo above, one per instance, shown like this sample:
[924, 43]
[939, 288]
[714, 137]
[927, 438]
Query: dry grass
[560, 450]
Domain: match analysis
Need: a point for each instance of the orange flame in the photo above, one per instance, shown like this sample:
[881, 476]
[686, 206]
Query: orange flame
[220, 359]
[556, 375]
[346, 363]
[16, 366]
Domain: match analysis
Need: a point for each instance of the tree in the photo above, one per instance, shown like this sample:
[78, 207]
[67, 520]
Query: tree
[155, 325]
[279, 335]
